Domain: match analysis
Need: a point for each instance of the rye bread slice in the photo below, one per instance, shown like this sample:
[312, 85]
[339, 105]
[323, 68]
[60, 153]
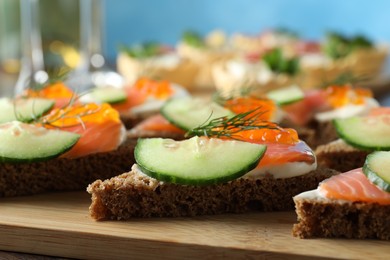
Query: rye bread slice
[340, 156]
[335, 219]
[62, 174]
[134, 194]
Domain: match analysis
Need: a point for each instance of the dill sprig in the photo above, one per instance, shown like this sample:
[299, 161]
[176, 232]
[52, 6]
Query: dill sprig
[55, 76]
[345, 78]
[242, 91]
[230, 127]
[64, 114]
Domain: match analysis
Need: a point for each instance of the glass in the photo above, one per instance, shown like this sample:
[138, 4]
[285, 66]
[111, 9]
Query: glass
[92, 70]
[9, 46]
[32, 72]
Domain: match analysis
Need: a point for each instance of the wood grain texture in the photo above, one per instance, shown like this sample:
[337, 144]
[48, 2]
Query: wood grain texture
[59, 225]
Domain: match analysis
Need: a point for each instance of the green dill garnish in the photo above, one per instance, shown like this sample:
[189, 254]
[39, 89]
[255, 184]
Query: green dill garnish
[64, 113]
[193, 38]
[280, 64]
[141, 51]
[230, 126]
[242, 91]
[339, 46]
[344, 79]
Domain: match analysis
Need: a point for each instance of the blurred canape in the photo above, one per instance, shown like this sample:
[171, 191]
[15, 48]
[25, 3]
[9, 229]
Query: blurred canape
[204, 51]
[257, 73]
[157, 61]
[339, 55]
[282, 38]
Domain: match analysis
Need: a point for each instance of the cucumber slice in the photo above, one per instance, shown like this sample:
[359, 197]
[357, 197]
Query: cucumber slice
[198, 160]
[23, 109]
[109, 95]
[21, 143]
[188, 113]
[285, 96]
[377, 169]
[366, 133]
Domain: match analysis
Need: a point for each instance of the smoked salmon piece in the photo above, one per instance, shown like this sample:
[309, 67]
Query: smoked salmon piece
[99, 126]
[355, 187]
[279, 154]
[157, 123]
[378, 111]
[59, 92]
[142, 90]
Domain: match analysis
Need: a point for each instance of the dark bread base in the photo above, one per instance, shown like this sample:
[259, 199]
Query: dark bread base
[133, 195]
[347, 220]
[63, 174]
[314, 133]
[340, 156]
[130, 121]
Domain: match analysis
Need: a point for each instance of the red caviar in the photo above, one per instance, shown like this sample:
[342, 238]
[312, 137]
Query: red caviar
[81, 114]
[57, 91]
[265, 108]
[99, 126]
[266, 135]
[142, 90]
[339, 96]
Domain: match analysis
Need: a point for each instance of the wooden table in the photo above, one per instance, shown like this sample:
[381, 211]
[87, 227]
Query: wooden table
[59, 225]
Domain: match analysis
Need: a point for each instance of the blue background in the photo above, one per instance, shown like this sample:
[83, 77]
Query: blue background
[132, 21]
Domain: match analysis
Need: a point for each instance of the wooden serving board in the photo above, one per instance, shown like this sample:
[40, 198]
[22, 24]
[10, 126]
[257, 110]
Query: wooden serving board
[59, 225]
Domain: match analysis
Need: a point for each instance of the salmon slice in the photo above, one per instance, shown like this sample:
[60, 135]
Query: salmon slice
[303, 111]
[332, 97]
[95, 138]
[59, 92]
[353, 186]
[378, 111]
[142, 90]
[279, 153]
[99, 126]
[157, 123]
[266, 107]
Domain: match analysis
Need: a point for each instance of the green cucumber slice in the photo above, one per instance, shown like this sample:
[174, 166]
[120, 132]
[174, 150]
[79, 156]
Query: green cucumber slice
[377, 169]
[23, 109]
[21, 143]
[198, 160]
[285, 96]
[109, 95]
[365, 132]
[188, 113]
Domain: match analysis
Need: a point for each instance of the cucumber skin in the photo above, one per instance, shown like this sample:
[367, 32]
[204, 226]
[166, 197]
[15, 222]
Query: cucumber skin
[289, 102]
[115, 101]
[373, 177]
[4, 159]
[193, 182]
[24, 120]
[284, 103]
[175, 123]
[168, 118]
[343, 136]
[31, 119]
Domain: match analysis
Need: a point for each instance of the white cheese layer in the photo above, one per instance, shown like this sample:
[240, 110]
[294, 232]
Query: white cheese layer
[284, 171]
[314, 60]
[122, 136]
[168, 61]
[153, 105]
[317, 195]
[347, 111]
